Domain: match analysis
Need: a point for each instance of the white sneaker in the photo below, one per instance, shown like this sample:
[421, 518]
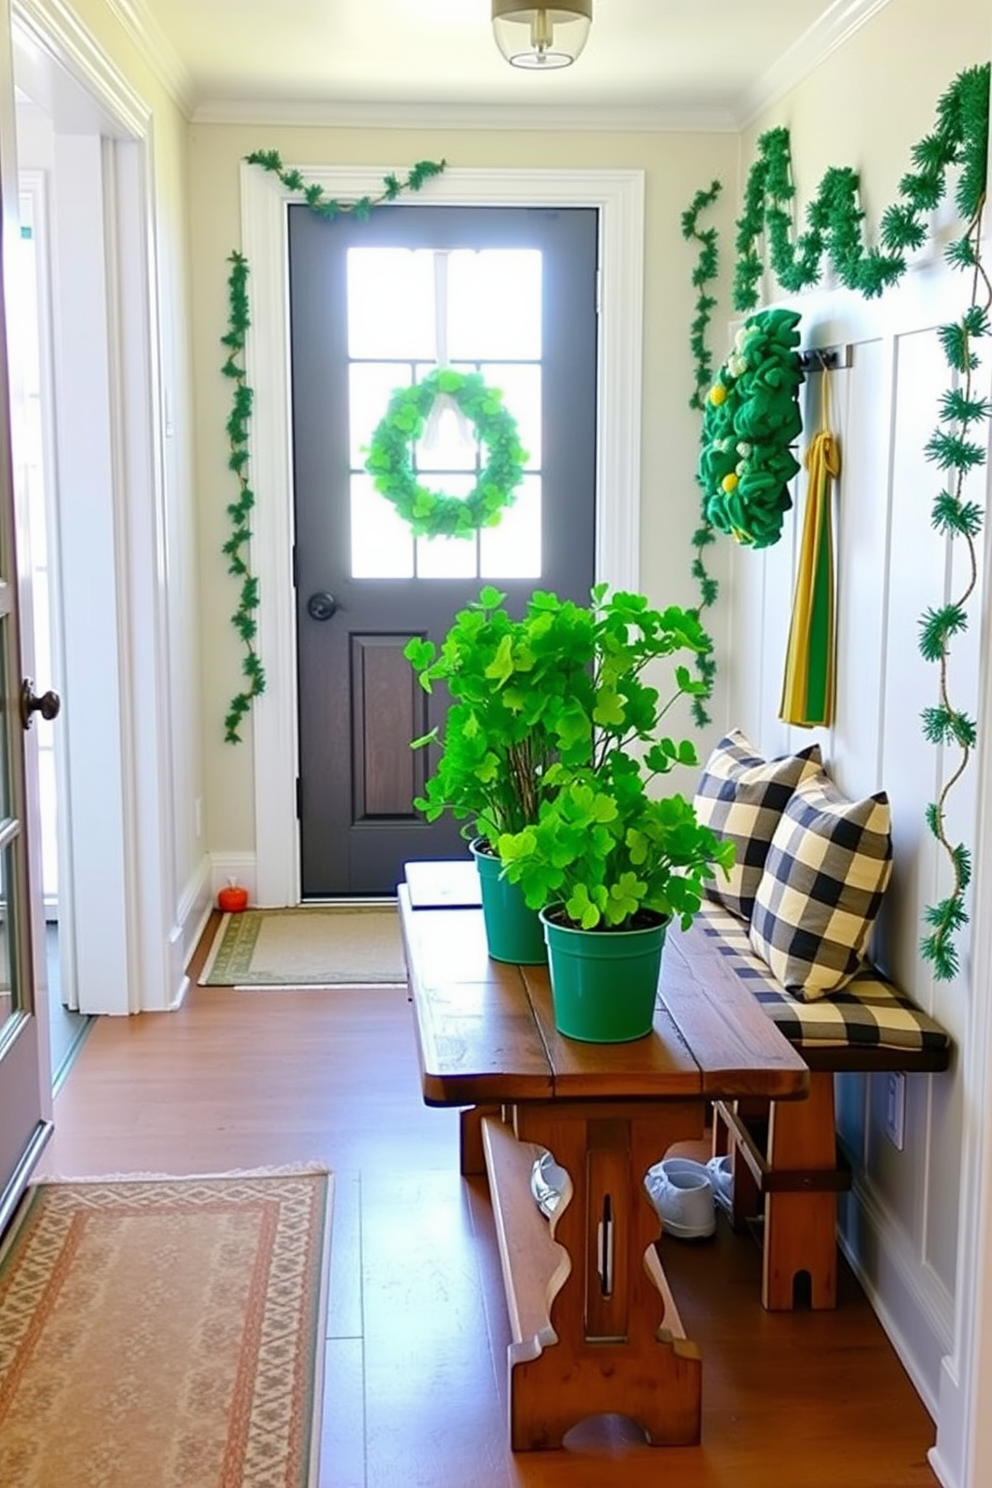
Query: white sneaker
[682, 1193]
[721, 1173]
[549, 1183]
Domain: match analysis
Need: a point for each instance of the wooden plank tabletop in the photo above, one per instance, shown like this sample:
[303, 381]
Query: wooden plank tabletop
[724, 1025]
[485, 1029]
[476, 1035]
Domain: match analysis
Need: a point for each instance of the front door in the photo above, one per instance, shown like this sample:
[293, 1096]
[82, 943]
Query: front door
[376, 305]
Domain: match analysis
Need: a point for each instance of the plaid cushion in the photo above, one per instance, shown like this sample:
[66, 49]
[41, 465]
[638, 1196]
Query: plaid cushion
[825, 874]
[869, 1012]
[742, 796]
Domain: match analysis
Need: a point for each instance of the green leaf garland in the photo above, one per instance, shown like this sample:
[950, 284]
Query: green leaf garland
[239, 511]
[390, 463]
[834, 232]
[705, 272]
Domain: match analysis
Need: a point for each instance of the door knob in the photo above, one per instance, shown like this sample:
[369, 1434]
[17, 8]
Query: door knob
[321, 606]
[47, 705]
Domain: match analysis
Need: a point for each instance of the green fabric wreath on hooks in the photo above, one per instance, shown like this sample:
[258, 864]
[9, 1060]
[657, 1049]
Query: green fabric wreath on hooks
[390, 459]
[750, 422]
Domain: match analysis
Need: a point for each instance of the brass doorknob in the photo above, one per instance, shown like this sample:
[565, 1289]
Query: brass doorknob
[48, 704]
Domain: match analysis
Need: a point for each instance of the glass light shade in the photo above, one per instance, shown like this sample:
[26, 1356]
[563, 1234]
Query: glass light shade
[541, 36]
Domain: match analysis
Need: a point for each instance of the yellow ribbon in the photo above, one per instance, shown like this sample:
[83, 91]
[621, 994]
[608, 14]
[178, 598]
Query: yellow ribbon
[810, 664]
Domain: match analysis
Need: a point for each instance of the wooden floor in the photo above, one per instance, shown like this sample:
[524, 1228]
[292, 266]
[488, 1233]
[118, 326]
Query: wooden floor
[415, 1372]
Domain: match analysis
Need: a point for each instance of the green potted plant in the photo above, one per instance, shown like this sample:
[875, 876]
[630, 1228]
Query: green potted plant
[517, 689]
[609, 861]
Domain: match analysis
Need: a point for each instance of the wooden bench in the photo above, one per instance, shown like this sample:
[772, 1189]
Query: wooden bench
[594, 1325]
[787, 1168]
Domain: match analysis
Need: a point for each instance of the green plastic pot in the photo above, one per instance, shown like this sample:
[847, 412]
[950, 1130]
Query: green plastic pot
[604, 983]
[513, 932]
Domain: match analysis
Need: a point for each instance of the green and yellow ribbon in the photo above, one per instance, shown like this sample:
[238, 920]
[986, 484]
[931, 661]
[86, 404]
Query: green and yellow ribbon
[810, 662]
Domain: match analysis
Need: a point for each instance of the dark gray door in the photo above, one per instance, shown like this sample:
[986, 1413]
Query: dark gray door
[375, 305]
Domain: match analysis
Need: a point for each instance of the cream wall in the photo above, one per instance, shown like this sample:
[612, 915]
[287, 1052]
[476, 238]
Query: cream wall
[865, 107]
[675, 166]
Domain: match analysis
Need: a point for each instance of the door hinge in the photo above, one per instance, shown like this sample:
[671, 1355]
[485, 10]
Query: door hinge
[296, 568]
[299, 799]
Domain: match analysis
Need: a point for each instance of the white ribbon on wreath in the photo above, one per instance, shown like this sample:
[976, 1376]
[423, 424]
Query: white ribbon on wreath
[444, 406]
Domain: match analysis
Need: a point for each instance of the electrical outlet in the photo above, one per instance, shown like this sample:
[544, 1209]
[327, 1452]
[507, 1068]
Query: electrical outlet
[895, 1109]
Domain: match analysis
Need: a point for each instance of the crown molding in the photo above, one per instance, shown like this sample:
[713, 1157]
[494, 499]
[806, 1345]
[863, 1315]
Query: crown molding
[161, 56]
[54, 28]
[492, 116]
[832, 30]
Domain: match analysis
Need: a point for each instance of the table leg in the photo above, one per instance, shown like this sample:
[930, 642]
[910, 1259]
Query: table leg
[620, 1342]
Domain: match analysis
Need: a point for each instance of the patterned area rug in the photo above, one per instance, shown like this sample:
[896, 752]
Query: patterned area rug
[309, 947]
[166, 1333]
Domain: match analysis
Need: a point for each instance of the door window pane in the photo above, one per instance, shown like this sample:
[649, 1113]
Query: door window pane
[370, 387]
[513, 549]
[494, 305]
[381, 542]
[520, 385]
[391, 304]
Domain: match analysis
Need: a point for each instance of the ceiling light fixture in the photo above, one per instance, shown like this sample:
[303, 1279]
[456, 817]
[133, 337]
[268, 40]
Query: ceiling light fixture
[541, 36]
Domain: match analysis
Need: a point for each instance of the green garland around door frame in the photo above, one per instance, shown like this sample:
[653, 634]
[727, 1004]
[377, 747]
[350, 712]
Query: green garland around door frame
[431, 513]
[236, 546]
[706, 270]
[835, 230]
[239, 511]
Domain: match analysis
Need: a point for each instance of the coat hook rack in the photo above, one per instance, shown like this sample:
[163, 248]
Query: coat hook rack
[825, 358]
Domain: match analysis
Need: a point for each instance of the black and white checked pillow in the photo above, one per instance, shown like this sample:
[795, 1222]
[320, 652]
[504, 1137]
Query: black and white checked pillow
[741, 796]
[827, 868]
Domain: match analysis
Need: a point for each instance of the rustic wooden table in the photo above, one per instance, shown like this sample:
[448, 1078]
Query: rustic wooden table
[593, 1322]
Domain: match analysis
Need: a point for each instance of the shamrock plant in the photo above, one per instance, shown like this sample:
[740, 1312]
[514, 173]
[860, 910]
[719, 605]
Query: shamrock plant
[606, 847]
[519, 690]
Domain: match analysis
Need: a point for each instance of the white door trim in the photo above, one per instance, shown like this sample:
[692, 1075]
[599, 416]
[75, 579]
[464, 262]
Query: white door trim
[133, 863]
[619, 197]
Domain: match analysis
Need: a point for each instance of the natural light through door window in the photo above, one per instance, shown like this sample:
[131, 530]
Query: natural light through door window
[486, 317]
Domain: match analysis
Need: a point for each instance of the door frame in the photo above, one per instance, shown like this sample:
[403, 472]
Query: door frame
[619, 197]
[129, 946]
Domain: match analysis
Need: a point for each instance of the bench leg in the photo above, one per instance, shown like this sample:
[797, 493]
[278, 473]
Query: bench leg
[801, 1228]
[745, 1201]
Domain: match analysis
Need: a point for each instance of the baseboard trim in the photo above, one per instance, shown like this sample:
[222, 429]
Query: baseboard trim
[881, 1235]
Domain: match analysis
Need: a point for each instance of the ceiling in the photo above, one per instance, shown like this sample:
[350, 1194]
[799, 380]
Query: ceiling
[658, 62]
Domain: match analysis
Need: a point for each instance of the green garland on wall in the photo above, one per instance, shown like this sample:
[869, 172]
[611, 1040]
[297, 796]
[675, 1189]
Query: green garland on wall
[835, 231]
[239, 512]
[706, 270]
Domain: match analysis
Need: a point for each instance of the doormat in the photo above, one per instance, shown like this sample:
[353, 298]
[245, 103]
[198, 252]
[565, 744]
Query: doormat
[165, 1331]
[308, 947]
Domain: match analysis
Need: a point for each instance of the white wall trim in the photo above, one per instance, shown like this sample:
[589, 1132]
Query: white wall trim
[503, 117]
[156, 49]
[52, 25]
[962, 1456]
[241, 867]
[879, 1231]
[137, 729]
[619, 196]
[835, 27]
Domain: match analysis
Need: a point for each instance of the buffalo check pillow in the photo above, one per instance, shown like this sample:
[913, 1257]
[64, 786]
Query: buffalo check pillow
[741, 796]
[828, 866]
